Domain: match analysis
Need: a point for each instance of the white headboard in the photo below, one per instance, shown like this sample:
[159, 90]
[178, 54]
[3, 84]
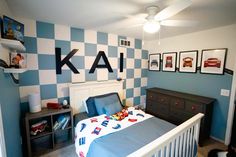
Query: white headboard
[81, 91]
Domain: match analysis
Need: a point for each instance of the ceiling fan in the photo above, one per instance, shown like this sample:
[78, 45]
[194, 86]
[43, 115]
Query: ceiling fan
[155, 18]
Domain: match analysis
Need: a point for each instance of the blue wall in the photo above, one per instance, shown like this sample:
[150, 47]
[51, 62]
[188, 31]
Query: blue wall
[10, 105]
[200, 84]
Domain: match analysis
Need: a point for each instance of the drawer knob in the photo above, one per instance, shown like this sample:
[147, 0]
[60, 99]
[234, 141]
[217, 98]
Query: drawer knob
[151, 96]
[176, 104]
[193, 108]
[162, 99]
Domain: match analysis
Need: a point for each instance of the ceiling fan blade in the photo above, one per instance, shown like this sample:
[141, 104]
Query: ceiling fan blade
[179, 23]
[173, 9]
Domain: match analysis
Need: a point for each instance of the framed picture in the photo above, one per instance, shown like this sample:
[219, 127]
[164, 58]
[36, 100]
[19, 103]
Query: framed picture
[154, 62]
[169, 61]
[18, 60]
[188, 61]
[213, 61]
[12, 29]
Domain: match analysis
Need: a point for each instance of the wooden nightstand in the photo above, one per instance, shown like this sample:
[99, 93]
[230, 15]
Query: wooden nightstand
[49, 139]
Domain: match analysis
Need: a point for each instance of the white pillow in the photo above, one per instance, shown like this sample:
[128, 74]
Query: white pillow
[85, 105]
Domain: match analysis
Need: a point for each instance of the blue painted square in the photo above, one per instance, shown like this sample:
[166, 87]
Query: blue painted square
[112, 51]
[90, 76]
[144, 54]
[124, 63]
[137, 82]
[24, 107]
[138, 44]
[129, 93]
[64, 77]
[60, 100]
[64, 45]
[124, 102]
[113, 75]
[130, 73]
[48, 91]
[46, 62]
[102, 38]
[77, 34]
[137, 100]
[29, 78]
[144, 73]
[78, 62]
[30, 44]
[124, 84]
[101, 61]
[143, 91]
[90, 49]
[45, 30]
[137, 63]
[130, 53]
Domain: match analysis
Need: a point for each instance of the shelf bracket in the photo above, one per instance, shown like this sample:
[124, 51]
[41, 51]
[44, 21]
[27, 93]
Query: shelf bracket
[4, 65]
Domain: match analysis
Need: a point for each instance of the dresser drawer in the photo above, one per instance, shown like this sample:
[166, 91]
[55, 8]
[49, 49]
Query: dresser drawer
[152, 96]
[151, 107]
[163, 99]
[177, 103]
[194, 107]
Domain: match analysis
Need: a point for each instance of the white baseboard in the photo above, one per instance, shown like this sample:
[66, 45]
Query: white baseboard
[219, 140]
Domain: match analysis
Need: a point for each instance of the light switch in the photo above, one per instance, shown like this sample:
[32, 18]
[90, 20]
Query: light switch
[224, 92]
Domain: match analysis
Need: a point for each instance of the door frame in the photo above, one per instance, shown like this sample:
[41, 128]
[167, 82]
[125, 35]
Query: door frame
[231, 109]
[2, 138]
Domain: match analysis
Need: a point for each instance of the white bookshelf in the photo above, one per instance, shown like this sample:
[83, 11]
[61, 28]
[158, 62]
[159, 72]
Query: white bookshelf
[12, 44]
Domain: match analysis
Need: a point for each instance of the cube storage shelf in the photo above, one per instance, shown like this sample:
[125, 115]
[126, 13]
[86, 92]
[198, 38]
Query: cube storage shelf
[49, 139]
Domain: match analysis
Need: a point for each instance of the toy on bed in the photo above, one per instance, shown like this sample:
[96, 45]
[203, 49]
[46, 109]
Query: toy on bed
[120, 115]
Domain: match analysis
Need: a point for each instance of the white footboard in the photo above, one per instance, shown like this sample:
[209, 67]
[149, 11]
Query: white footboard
[179, 142]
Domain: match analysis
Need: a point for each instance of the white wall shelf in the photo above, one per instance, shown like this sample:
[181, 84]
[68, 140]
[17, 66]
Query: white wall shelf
[13, 70]
[12, 44]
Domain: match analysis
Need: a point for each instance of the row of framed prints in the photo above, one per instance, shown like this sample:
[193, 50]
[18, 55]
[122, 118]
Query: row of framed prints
[212, 61]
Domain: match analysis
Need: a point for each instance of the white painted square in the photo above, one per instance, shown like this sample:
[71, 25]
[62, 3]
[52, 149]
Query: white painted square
[113, 62]
[103, 48]
[62, 90]
[131, 42]
[46, 46]
[143, 81]
[78, 77]
[90, 36]
[122, 50]
[130, 63]
[78, 45]
[89, 61]
[29, 27]
[47, 77]
[62, 32]
[144, 64]
[129, 83]
[137, 54]
[137, 92]
[26, 90]
[102, 74]
[112, 39]
[130, 102]
[137, 73]
[32, 61]
[44, 102]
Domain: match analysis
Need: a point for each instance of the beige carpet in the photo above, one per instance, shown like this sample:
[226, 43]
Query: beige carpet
[69, 151]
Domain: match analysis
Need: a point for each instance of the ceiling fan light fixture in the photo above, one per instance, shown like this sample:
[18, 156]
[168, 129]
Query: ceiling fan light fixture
[151, 26]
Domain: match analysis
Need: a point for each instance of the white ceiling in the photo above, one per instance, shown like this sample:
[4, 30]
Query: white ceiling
[117, 16]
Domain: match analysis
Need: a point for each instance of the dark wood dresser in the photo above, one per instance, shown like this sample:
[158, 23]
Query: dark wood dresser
[177, 107]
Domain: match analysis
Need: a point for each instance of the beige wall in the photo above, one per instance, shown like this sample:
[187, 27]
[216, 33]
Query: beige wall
[222, 37]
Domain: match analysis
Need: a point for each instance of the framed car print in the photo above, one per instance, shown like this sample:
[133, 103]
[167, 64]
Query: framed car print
[213, 61]
[154, 62]
[188, 61]
[169, 61]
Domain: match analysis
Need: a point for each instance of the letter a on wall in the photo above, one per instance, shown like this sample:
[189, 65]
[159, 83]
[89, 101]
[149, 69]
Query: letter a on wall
[96, 65]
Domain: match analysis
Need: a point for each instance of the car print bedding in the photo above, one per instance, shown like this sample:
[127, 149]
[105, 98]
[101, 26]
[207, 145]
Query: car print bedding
[111, 137]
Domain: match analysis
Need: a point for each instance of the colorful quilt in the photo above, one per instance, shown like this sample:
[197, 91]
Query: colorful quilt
[92, 128]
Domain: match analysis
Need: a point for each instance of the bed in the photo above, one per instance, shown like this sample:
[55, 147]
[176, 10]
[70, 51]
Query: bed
[138, 134]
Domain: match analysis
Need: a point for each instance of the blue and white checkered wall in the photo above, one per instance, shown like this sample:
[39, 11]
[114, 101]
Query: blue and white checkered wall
[40, 41]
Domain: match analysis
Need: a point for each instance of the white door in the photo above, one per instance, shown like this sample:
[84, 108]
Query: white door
[2, 140]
